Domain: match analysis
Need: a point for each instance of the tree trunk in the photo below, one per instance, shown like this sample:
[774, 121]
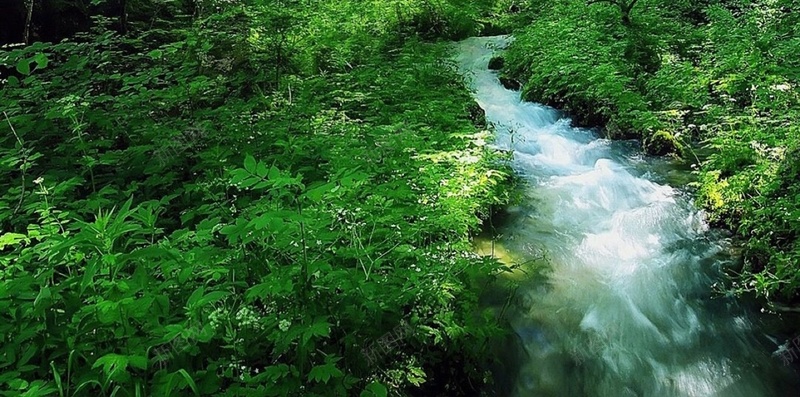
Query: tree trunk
[625, 8]
[123, 16]
[26, 36]
[626, 12]
[626, 19]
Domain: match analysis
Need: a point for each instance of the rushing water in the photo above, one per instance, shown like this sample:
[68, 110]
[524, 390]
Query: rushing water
[627, 308]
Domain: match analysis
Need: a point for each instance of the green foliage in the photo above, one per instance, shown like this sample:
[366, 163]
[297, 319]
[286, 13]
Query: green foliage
[718, 72]
[572, 58]
[207, 209]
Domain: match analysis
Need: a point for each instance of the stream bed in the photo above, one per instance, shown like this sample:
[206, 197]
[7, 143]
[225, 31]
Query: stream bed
[627, 306]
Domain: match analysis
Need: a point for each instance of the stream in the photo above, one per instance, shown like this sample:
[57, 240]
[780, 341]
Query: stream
[626, 306]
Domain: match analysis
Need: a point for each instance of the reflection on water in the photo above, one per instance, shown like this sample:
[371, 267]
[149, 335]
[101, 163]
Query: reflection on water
[627, 308]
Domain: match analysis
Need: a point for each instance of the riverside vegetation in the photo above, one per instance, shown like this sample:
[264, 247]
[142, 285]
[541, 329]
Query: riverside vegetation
[713, 82]
[242, 198]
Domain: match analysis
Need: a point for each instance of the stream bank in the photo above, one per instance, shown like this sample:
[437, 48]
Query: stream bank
[628, 306]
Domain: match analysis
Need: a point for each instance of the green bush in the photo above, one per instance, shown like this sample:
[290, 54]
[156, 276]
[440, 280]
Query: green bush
[221, 214]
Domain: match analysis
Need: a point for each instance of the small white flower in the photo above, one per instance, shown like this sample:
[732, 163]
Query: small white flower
[38, 180]
[284, 325]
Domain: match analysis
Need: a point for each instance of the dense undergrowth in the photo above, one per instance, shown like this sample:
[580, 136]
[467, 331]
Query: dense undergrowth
[261, 198]
[716, 74]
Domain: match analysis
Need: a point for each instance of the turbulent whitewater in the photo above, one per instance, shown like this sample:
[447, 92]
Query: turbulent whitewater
[627, 307]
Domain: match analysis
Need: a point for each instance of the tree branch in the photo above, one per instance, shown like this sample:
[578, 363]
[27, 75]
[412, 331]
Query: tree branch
[615, 2]
[625, 8]
[630, 6]
[24, 166]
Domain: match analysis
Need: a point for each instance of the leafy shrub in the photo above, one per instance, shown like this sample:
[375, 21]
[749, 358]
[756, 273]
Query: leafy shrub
[209, 216]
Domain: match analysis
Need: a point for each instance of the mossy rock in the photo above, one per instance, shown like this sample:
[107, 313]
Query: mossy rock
[477, 115]
[496, 63]
[662, 143]
[490, 28]
[511, 84]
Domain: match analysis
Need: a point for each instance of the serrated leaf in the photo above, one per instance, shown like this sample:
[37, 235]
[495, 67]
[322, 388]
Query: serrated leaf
[324, 373]
[319, 328]
[275, 372]
[108, 312]
[111, 363]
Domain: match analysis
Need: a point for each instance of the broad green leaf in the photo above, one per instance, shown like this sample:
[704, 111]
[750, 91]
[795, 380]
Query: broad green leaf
[274, 172]
[261, 169]
[238, 176]
[17, 384]
[88, 275]
[43, 298]
[139, 362]
[270, 288]
[317, 192]
[24, 66]
[249, 182]
[250, 164]
[195, 296]
[41, 61]
[375, 389]
[212, 297]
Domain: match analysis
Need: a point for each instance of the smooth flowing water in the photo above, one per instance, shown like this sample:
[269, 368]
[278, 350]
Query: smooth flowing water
[627, 307]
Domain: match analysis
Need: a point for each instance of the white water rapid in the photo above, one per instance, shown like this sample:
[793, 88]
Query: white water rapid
[627, 308]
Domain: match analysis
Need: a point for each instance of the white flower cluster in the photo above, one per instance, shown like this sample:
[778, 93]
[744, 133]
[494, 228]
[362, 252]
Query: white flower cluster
[216, 317]
[246, 317]
[763, 150]
[284, 325]
[350, 218]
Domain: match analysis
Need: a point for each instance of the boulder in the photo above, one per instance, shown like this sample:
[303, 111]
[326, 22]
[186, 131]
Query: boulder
[511, 84]
[496, 63]
[662, 143]
[477, 115]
